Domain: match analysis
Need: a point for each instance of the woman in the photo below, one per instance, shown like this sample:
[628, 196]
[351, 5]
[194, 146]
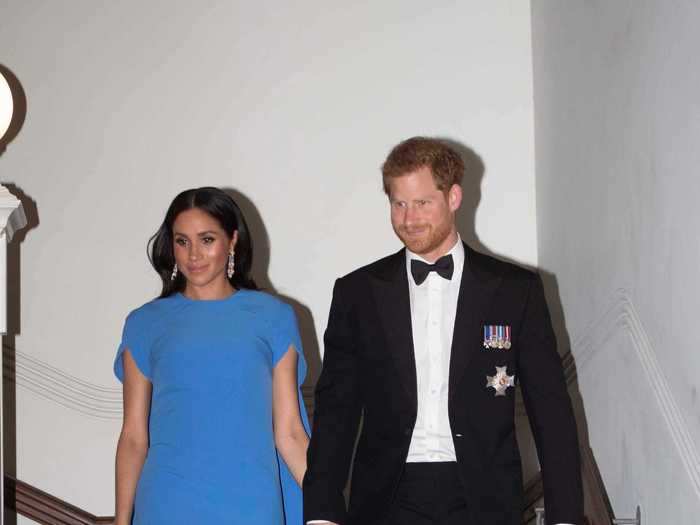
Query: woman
[213, 430]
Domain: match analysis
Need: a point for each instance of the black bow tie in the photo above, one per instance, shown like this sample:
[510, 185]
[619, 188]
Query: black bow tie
[443, 266]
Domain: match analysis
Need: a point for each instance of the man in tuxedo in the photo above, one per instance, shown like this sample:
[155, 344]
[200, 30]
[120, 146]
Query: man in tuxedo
[425, 347]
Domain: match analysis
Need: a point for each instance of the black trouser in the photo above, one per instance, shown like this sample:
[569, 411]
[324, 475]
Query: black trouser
[429, 494]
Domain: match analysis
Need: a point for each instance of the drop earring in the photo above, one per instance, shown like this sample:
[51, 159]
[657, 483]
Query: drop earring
[230, 267]
[174, 274]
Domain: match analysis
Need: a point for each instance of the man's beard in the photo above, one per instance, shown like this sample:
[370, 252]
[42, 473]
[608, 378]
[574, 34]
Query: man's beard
[427, 242]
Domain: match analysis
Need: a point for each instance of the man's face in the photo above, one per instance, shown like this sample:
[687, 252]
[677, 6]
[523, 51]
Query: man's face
[423, 216]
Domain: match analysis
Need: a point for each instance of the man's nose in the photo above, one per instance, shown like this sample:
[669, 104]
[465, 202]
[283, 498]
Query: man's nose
[409, 215]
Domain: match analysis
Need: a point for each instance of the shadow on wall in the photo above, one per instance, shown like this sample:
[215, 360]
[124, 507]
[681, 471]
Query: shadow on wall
[556, 312]
[474, 171]
[261, 264]
[9, 423]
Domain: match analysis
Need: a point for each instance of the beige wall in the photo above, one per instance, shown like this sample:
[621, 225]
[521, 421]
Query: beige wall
[293, 104]
[617, 125]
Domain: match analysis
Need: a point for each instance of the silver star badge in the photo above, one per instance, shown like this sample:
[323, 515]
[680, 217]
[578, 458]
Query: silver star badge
[501, 381]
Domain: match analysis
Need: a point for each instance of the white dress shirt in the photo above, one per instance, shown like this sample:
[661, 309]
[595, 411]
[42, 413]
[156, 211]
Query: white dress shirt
[433, 312]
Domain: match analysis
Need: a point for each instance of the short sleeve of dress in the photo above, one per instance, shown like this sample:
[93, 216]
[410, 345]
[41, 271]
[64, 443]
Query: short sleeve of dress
[133, 339]
[286, 334]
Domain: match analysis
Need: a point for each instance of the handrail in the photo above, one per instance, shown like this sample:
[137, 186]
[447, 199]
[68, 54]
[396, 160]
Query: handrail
[597, 508]
[46, 509]
[637, 520]
[533, 494]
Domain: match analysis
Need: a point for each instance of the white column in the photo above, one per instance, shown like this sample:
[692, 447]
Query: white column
[11, 219]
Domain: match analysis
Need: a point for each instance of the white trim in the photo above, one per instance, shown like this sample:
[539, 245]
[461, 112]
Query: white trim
[67, 390]
[621, 314]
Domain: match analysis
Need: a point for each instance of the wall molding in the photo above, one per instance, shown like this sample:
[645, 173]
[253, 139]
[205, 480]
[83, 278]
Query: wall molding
[621, 314]
[60, 387]
[69, 391]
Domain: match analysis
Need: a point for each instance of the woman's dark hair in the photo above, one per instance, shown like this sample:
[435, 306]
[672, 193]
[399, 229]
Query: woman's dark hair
[222, 208]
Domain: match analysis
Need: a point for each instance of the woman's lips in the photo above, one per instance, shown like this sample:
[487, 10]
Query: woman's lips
[196, 269]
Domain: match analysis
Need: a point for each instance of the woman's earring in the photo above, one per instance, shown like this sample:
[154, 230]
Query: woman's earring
[174, 274]
[230, 268]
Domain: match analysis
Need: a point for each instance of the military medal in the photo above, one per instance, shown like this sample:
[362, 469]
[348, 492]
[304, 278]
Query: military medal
[501, 381]
[497, 336]
[493, 343]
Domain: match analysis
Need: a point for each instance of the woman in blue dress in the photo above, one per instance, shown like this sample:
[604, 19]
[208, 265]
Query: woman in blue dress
[214, 431]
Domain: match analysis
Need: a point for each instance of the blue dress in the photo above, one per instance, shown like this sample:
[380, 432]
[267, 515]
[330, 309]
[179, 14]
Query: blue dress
[211, 456]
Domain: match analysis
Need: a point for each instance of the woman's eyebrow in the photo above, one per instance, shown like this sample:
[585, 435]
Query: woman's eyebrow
[199, 234]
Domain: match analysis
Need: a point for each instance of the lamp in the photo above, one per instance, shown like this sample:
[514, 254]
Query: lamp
[6, 105]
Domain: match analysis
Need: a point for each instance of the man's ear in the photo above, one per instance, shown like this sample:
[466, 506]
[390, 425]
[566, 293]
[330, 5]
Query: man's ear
[454, 197]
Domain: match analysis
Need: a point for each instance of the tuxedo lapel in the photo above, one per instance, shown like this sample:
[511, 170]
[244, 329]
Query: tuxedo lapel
[390, 288]
[476, 293]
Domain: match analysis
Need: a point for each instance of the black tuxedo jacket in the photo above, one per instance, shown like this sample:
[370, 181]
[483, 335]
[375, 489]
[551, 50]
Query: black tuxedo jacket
[369, 370]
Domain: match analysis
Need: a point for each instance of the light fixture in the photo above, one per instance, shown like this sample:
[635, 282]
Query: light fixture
[5, 106]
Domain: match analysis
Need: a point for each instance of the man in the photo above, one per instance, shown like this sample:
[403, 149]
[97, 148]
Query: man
[426, 346]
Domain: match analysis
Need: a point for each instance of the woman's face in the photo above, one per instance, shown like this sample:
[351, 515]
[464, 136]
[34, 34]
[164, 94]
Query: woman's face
[201, 247]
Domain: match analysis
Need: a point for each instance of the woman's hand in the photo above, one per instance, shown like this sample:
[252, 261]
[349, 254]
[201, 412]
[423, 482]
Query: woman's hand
[291, 438]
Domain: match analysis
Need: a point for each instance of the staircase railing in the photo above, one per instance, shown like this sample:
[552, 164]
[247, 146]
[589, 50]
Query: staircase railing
[44, 508]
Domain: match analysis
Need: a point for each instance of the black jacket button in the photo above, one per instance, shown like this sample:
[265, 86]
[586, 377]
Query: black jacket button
[407, 431]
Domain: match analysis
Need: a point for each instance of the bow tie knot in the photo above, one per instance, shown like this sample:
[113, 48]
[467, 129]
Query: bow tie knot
[444, 267]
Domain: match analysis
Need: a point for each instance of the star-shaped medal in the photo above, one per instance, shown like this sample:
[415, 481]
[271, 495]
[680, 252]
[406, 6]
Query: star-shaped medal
[501, 381]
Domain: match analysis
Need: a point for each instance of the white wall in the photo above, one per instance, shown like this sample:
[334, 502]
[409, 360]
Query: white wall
[293, 104]
[617, 126]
